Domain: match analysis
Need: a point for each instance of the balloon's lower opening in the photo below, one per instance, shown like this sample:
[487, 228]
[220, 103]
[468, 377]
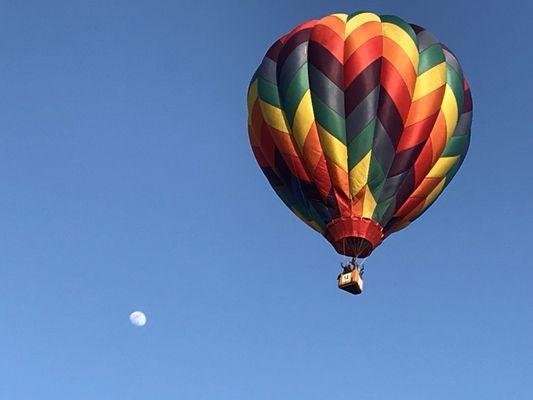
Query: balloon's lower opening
[354, 247]
[354, 236]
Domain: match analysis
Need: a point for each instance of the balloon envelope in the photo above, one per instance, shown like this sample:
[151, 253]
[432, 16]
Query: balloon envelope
[359, 122]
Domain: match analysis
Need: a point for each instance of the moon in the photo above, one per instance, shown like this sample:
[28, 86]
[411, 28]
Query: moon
[138, 318]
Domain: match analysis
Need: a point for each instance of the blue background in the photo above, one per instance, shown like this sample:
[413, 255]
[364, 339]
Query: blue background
[127, 182]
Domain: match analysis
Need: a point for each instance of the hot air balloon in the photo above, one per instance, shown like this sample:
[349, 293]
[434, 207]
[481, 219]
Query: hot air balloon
[359, 122]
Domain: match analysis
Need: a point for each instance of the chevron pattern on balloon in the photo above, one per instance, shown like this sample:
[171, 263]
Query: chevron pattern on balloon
[359, 122]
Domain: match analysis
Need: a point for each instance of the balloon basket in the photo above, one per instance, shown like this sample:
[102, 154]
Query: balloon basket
[351, 282]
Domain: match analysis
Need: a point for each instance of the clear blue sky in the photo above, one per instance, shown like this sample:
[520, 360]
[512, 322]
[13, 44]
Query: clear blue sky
[127, 182]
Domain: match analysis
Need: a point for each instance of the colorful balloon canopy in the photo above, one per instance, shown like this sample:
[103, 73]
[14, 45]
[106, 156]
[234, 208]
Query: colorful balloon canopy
[359, 122]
